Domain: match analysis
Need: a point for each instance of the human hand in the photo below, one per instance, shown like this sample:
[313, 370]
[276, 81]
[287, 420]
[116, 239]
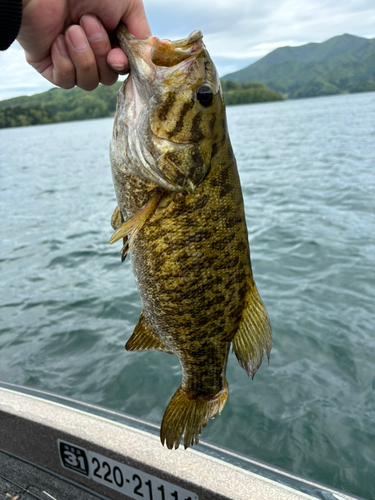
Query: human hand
[67, 41]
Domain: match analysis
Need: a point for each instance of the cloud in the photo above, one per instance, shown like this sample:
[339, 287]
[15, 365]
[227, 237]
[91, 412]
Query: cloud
[236, 32]
[246, 31]
[18, 77]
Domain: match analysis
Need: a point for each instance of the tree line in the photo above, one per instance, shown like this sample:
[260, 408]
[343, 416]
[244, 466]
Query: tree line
[248, 93]
[58, 105]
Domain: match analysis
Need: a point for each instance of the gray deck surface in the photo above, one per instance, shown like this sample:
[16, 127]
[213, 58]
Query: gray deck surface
[22, 481]
[31, 426]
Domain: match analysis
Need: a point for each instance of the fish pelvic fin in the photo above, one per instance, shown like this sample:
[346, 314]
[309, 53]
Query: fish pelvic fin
[116, 220]
[143, 339]
[186, 415]
[254, 334]
[132, 226]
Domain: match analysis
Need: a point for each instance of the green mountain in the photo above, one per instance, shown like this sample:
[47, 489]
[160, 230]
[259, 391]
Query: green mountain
[341, 64]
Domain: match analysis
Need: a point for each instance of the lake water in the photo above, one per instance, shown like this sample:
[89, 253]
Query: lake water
[68, 305]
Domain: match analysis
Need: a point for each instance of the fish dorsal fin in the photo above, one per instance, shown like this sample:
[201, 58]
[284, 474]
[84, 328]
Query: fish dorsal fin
[254, 335]
[133, 225]
[143, 339]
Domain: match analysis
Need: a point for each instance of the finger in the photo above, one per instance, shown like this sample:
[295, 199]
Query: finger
[63, 70]
[100, 45]
[118, 61]
[136, 20]
[44, 66]
[83, 58]
[57, 68]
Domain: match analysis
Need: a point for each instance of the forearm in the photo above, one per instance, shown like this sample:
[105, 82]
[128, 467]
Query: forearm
[10, 21]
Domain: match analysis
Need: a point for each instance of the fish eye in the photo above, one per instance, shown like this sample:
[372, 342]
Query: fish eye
[205, 96]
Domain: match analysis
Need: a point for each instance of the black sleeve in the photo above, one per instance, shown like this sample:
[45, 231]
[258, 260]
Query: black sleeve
[10, 21]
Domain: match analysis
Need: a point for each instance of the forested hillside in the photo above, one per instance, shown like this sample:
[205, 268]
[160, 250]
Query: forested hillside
[248, 93]
[342, 64]
[58, 105]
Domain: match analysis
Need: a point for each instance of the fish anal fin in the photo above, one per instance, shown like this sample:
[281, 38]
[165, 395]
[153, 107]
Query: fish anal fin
[143, 339]
[254, 334]
[185, 416]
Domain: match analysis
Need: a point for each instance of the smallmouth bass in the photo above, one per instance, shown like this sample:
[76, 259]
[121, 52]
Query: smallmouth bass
[180, 211]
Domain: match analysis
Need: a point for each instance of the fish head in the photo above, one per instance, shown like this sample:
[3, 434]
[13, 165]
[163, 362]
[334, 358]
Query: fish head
[168, 109]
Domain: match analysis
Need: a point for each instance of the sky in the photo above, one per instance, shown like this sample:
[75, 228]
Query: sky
[236, 32]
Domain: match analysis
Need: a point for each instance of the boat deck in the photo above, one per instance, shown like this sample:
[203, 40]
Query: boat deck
[57, 448]
[20, 480]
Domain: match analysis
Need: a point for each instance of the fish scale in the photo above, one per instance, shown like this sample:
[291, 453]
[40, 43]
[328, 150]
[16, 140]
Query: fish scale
[186, 222]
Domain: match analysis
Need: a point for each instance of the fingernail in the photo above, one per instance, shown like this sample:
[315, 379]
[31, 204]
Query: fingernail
[77, 38]
[118, 67]
[92, 28]
[60, 44]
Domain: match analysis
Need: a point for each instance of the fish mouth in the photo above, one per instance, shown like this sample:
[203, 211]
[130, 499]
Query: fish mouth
[154, 52]
[167, 53]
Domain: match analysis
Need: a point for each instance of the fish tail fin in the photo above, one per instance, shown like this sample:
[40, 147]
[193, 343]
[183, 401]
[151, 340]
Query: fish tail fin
[186, 415]
[254, 334]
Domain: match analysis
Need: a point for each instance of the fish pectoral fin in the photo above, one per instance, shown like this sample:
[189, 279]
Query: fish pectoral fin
[117, 218]
[254, 334]
[133, 225]
[143, 339]
[185, 416]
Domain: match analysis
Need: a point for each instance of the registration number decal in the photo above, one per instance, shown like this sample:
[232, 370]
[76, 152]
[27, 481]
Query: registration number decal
[119, 477]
